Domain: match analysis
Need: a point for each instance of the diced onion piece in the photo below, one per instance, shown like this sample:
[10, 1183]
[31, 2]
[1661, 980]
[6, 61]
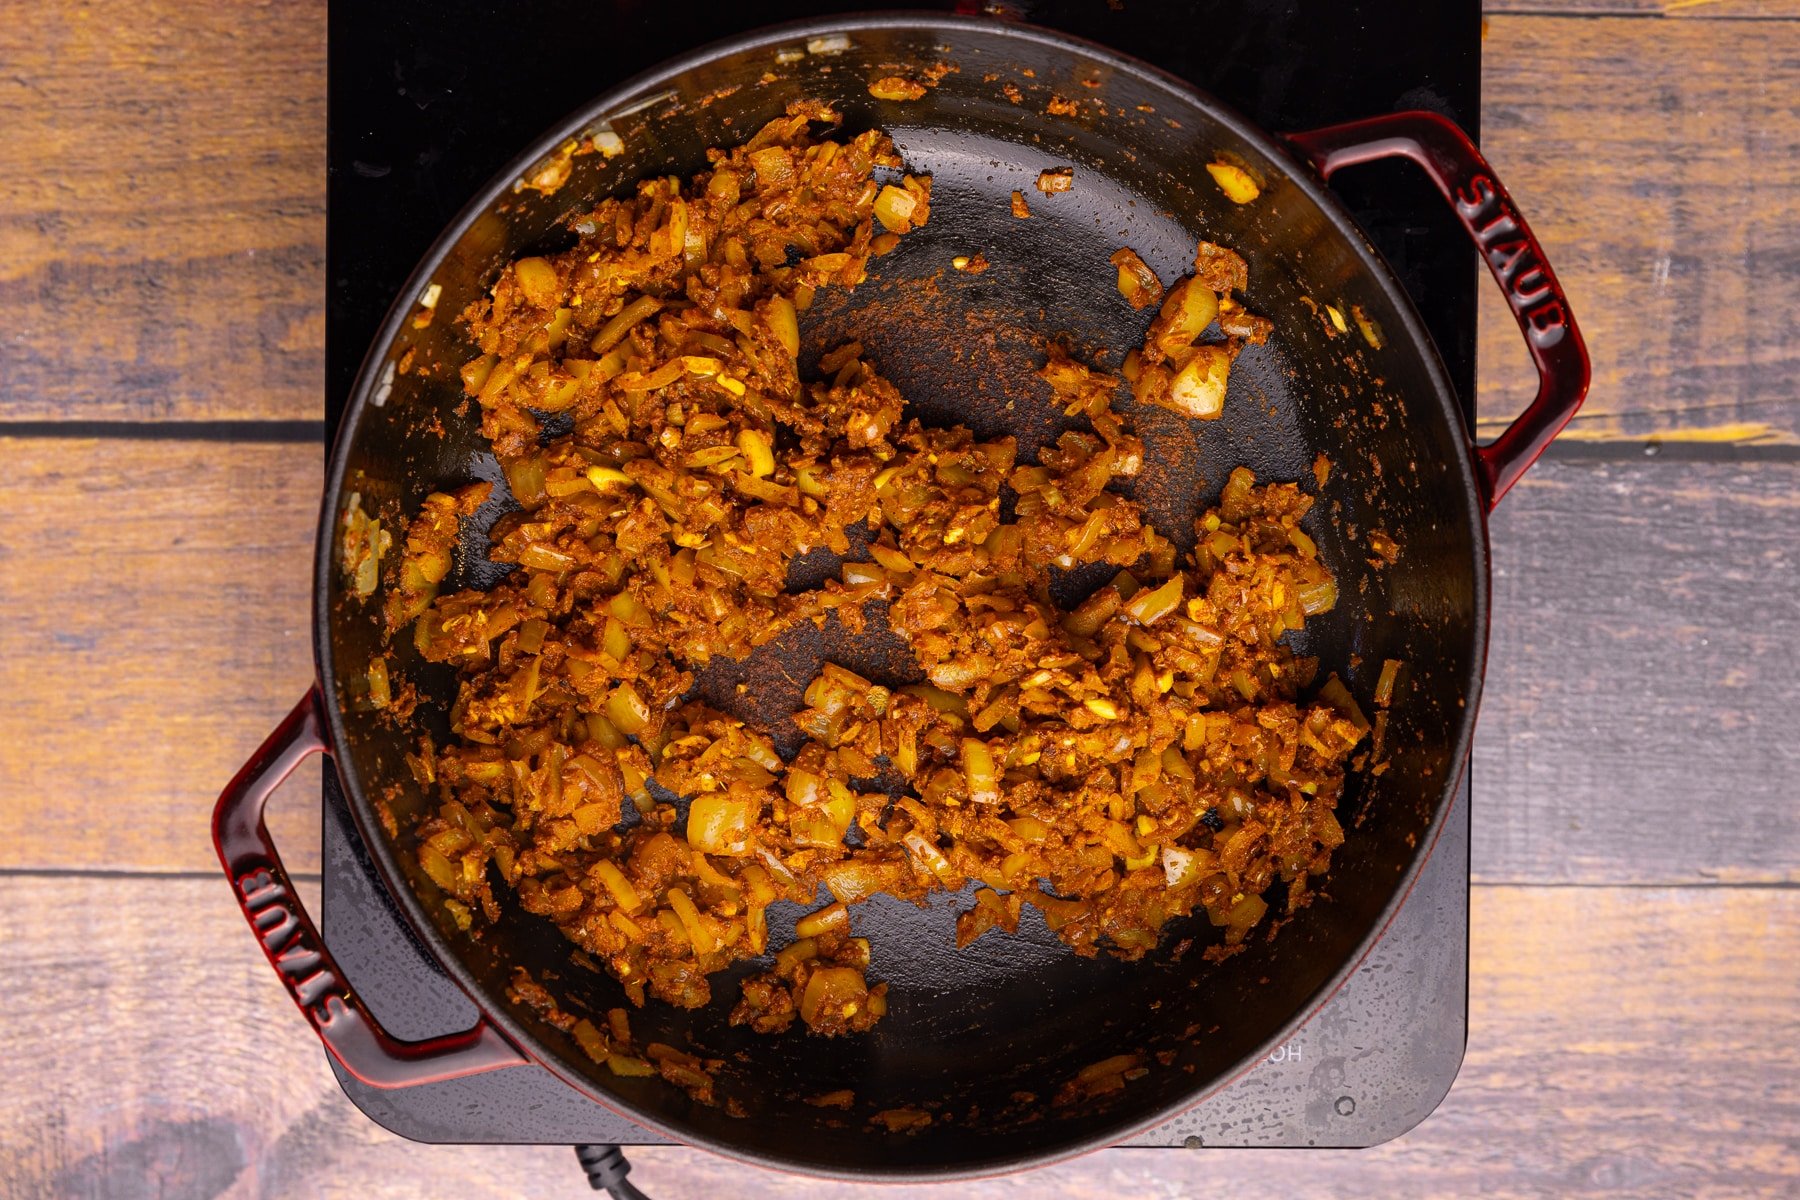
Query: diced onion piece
[475, 373]
[699, 929]
[932, 859]
[1198, 389]
[1152, 384]
[1056, 179]
[719, 823]
[804, 788]
[711, 456]
[754, 444]
[625, 1064]
[1242, 915]
[539, 557]
[605, 477]
[855, 953]
[627, 710]
[833, 918]
[792, 955]
[1029, 828]
[379, 694]
[558, 396]
[979, 772]
[558, 326]
[614, 881]
[1136, 862]
[784, 323]
[860, 574]
[1384, 686]
[622, 322]
[1371, 331]
[615, 640]
[1318, 598]
[538, 281]
[833, 993]
[762, 489]
[1118, 1064]
[661, 377]
[591, 819]
[1180, 866]
[1153, 604]
[853, 881]
[590, 1039]
[945, 702]
[625, 606]
[811, 827]
[894, 208]
[1186, 312]
[1237, 184]
[1137, 282]
[840, 809]
[525, 478]
[438, 867]
[1101, 707]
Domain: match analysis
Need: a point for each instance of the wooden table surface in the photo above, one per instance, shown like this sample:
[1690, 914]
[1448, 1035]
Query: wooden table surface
[1635, 973]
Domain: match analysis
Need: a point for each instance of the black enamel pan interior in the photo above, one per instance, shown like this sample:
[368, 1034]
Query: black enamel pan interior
[970, 1031]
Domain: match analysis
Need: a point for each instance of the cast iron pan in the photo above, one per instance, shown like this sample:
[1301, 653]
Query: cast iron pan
[983, 1037]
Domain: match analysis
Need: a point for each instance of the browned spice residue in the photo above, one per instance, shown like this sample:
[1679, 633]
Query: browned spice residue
[895, 87]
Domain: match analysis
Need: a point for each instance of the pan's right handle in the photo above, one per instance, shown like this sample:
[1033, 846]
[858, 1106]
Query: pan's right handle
[1512, 254]
[294, 947]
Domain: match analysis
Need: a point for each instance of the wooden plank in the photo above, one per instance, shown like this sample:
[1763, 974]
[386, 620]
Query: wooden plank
[157, 601]
[189, 271]
[1660, 162]
[162, 232]
[1641, 1041]
[1643, 673]
[1715, 10]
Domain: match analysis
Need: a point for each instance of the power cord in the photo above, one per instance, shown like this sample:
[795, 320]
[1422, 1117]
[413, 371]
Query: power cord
[606, 1170]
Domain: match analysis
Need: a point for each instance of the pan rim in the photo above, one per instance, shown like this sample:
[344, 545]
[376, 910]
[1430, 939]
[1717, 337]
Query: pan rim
[622, 97]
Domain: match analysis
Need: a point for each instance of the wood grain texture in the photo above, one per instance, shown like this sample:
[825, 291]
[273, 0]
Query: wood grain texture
[162, 217]
[156, 598]
[187, 263]
[1624, 1041]
[1719, 10]
[1660, 163]
[1642, 677]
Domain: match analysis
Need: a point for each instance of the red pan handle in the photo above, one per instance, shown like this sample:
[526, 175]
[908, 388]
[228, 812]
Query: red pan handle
[1512, 254]
[294, 947]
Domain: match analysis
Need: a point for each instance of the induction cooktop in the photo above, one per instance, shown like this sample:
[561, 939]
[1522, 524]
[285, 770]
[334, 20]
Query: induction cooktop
[428, 98]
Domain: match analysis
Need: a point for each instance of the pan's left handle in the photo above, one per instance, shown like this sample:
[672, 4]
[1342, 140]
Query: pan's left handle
[293, 945]
[1505, 242]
